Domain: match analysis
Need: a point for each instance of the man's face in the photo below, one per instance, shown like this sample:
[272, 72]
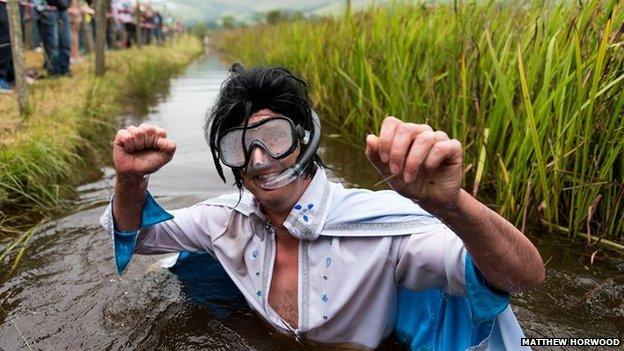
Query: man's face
[281, 199]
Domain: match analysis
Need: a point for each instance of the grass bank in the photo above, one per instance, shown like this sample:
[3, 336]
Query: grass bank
[68, 134]
[532, 89]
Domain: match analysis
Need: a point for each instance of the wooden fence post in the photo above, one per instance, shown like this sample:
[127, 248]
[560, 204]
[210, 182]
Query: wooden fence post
[100, 36]
[87, 29]
[17, 49]
[138, 34]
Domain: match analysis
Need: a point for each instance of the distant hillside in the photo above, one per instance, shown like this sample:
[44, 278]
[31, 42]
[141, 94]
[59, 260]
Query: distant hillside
[192, 11]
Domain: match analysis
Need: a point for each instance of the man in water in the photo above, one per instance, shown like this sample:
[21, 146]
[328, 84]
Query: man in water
[313, 259]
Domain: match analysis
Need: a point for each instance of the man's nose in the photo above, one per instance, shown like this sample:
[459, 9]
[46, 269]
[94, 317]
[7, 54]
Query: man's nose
[258, 155]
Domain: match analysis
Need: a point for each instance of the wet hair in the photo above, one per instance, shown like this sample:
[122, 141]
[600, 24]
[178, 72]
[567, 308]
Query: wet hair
[247, 91]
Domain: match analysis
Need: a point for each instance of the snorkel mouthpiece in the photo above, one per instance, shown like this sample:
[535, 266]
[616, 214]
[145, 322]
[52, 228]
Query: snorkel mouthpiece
[282, 179]
[296, 170]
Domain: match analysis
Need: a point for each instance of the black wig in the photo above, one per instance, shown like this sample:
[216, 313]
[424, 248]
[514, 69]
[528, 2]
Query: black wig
[247, 91]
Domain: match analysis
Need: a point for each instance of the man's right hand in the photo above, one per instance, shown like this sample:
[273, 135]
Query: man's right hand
[141, 150]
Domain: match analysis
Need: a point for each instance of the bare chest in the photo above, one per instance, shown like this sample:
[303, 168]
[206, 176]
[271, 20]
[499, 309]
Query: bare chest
[283, 293]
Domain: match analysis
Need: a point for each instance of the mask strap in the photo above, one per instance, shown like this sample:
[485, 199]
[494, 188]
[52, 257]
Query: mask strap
[303, 134]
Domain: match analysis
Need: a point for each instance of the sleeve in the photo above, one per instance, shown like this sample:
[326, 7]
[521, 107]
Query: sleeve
[187, 229]
[434, 259]
[438, 259]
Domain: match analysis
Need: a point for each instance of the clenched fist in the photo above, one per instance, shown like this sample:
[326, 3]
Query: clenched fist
[421, 164]
[141, 150]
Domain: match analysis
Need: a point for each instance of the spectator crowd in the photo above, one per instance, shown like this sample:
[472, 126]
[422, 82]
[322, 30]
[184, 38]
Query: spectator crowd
[63, 30]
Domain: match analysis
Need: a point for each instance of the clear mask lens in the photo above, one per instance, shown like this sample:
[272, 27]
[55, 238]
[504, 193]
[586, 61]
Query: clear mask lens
[276, 136]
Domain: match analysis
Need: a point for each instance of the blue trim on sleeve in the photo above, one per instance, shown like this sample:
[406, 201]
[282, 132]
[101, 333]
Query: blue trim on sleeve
[152, 212]
[485, 302]
[434, 320]
[124, 241]
[124, 245]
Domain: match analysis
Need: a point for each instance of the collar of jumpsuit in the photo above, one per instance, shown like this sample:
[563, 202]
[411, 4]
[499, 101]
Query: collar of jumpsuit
[358, 248]
[352, 214]
[306, 219]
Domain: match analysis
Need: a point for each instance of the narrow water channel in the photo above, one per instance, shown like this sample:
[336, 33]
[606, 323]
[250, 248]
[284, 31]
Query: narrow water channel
[65, 293]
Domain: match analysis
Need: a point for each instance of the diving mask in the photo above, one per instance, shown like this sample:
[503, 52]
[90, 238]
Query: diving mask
[277, 137]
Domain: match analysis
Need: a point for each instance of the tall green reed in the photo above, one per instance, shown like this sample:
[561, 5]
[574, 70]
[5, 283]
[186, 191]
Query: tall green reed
[532, 90]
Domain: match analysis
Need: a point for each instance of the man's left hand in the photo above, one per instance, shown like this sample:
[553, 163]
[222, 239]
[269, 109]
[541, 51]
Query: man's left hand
[421, 164]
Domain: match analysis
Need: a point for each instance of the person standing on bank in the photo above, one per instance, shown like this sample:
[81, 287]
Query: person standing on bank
[312, 258]
[64, 37]
[55, 34]
[75, 18]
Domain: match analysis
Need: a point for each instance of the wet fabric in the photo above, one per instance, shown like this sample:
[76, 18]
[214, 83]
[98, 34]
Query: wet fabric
[435, 320]
[206, 283]
[358, 248]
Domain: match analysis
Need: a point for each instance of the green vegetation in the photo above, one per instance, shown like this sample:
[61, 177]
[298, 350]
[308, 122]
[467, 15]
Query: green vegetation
[532, 90]
[68, 135]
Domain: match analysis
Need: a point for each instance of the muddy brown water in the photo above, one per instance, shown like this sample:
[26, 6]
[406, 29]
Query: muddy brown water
[65, 295]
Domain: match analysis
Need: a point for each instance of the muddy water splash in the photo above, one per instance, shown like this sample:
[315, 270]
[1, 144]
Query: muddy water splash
[65, 293]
